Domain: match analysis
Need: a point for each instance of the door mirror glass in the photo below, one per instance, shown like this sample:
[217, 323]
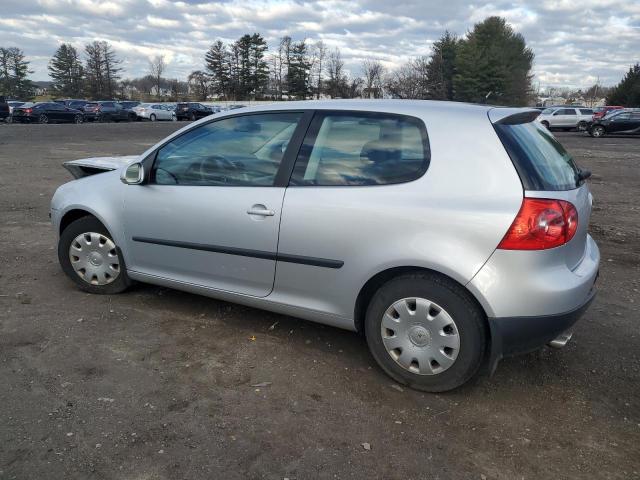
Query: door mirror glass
[133, 174]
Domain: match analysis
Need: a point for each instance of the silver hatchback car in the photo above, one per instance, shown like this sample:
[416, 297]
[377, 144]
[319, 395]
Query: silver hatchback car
[449, 234]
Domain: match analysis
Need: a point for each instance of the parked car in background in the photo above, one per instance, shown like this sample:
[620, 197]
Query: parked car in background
[154, 112]
[192, 111]
[600, 112]
[107, 111]
[618, 122]
[4, 109]
[73, 103]
[444, 272]
[566, 118]
[46, 112]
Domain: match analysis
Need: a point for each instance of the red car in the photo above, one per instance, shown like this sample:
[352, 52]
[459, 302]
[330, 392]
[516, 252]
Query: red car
[600, 112]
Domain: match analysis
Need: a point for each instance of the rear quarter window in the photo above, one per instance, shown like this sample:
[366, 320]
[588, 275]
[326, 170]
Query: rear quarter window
[362, 148]
[540, 160]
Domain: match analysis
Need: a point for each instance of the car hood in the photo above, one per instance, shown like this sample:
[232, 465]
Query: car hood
[90, 166]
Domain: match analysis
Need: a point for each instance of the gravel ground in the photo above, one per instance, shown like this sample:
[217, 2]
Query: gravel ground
[159, 384]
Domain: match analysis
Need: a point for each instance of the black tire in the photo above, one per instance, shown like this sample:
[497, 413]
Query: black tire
[581, 127]
[43, 118]
[78, 227]
[193, 117]
[546, 124]
[78, 119]
[467, 315]
[152, 117]
[598, 131]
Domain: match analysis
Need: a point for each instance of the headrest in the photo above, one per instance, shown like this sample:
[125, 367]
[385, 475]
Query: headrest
[386, 149]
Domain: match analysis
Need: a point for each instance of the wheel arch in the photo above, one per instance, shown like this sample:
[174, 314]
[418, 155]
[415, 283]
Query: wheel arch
[374, 283]
[74, 214]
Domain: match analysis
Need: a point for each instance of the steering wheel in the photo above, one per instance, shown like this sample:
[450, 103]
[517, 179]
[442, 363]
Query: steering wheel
[213, 166]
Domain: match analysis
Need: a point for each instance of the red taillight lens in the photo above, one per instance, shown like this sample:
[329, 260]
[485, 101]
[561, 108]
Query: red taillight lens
[540, 224]
[28, 110]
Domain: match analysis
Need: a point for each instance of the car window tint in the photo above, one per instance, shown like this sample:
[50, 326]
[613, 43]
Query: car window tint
[542, 163]
[237, 151]
[362, 149]
[586, 111]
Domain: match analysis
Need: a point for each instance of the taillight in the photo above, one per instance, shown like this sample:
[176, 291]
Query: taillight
[541, 223]
[28, 110]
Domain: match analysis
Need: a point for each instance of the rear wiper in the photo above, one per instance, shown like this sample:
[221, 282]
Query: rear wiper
[582, 175]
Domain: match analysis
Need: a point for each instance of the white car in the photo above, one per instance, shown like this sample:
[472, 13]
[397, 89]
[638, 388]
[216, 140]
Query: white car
[154, 111]
[566, 117]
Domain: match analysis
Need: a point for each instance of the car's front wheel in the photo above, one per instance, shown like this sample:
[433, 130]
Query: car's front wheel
[152, 117]
[545, 124]
[78, 119]
[426, 332]
[90, 257]
[597, 131]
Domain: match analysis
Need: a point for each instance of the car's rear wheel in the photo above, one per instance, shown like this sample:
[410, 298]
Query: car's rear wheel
[193, 117]
[545, 123]
[597, 131]
[43, 118]
[90, 257]
[425, 331]
[582, 126]
[152, 117]
[174, 118]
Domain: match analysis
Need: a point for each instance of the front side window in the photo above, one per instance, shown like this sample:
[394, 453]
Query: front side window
[345, 148]
[237, 151]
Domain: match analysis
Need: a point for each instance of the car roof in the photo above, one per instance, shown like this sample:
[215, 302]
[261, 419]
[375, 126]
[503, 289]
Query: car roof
[405, 107]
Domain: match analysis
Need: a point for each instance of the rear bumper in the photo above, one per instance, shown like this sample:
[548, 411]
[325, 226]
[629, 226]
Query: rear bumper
[517, 335]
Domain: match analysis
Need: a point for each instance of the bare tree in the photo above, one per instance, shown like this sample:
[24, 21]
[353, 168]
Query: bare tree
[199, 83]
[410, 80]
[157, 67]
[373, 72]
[319, 56]
[337, 81]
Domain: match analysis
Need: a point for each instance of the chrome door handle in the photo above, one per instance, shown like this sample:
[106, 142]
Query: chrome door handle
[261, 211]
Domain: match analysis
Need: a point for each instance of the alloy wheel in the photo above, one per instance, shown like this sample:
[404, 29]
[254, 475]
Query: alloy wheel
[420, 336]
[43, 118]
[94, 258]
[597, 131]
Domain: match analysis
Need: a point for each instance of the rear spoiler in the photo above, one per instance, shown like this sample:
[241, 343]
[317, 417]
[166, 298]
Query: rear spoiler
[90, 166]
[512, 116]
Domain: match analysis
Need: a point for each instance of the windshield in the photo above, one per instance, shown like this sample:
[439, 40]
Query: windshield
[548, 111]
[542, 163]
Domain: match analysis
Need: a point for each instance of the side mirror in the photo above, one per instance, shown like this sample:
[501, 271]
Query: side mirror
[133, 174]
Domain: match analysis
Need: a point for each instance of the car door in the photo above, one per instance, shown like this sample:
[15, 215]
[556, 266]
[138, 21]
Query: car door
[55, 112]
[563, 117]
[209, 212]
[620, 123]
[348, 188]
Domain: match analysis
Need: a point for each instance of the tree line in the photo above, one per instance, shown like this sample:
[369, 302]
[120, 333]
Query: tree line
[490, 64]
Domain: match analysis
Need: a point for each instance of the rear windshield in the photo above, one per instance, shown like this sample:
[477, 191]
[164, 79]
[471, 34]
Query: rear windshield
[542, 163]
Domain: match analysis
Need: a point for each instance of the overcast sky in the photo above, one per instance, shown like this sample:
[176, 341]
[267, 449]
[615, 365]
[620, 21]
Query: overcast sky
[574, 41]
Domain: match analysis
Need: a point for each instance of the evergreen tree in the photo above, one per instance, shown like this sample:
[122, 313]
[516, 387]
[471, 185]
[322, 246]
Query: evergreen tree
[259, 67]
[441, 68]
[101, 71]
[627, 92]
[66, 71]
[298, 71]
[14, 72]
[217, 62]
[493, 65]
